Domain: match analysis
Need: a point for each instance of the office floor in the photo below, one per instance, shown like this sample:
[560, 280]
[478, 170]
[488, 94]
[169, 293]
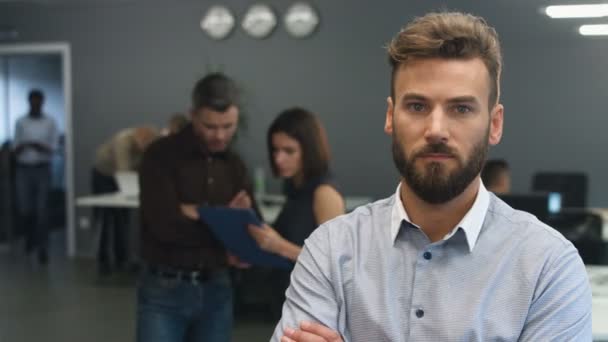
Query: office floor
[65, 301]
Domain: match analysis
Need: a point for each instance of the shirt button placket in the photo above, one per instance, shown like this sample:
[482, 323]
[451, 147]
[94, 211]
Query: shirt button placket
[210, 178]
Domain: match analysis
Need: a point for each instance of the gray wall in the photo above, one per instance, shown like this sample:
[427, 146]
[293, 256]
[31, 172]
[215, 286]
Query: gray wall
[136, 62]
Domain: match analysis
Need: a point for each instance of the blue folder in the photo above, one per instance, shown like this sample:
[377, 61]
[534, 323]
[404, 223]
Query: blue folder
[229, 225]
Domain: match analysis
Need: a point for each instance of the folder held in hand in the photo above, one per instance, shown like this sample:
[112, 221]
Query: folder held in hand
[229, 225]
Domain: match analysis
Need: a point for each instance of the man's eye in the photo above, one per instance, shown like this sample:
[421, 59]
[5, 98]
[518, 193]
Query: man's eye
[463, 109]
[416, 107]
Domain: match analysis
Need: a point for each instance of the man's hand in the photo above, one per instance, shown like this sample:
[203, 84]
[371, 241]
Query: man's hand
[241, 201]
[311, 332]
[40, 147]
[24, 146]
[234, 261]
[190, 211]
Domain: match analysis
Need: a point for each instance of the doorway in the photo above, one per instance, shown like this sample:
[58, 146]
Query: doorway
[47, 67]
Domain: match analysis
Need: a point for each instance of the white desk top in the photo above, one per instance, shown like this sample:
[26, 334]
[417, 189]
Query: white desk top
[115, 200]
[118, 200]
[598, 277]
[270, 211]
[600, 319]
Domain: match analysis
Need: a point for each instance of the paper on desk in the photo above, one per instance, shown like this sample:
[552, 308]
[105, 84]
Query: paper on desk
[229, 225]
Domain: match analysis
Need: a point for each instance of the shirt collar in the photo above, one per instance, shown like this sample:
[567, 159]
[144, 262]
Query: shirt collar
[471, 222]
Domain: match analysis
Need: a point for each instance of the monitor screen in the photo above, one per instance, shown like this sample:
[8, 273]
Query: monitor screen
[555, 202]
[536, 204]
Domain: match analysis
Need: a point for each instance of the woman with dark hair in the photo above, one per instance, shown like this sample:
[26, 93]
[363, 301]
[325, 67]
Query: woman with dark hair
[299, 153]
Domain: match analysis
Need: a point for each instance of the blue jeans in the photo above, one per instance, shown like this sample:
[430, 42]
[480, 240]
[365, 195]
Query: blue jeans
[175, 310]
[32, 192]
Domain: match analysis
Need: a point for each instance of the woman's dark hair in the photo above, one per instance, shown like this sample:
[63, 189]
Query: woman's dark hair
[304, 127]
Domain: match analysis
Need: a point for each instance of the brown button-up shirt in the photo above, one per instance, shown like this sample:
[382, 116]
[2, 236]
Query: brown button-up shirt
[178, 170]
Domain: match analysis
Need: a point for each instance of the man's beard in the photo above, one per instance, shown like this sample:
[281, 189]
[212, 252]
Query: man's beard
[435, 184]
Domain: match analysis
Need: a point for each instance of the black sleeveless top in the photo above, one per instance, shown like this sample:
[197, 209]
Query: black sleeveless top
[296, 221]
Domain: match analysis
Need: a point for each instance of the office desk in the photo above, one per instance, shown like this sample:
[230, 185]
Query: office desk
[269, 204]
[598, 277]
[600, 319]
[115, 200]
[118, 200]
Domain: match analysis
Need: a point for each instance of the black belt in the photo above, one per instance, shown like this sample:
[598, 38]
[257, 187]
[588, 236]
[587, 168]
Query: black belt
[34, 165]
[199, 276]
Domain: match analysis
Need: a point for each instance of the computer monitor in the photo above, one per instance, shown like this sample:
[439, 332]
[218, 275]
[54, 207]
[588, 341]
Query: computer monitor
[537, 204]
[555, 202]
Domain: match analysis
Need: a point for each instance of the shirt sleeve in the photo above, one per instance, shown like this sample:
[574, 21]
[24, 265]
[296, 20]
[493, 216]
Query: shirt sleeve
[18, 138]
[160, 204]
[245, 183]
[52, 141]
[311, 296]
[561, 307]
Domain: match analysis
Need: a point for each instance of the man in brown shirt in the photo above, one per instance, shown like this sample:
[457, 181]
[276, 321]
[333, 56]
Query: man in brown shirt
[185, 292]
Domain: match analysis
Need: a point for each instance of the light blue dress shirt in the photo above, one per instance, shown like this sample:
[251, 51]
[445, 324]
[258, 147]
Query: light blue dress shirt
[500, 275]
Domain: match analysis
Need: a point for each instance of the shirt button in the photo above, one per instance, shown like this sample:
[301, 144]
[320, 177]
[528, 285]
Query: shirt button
[427, 255]
[419, 313]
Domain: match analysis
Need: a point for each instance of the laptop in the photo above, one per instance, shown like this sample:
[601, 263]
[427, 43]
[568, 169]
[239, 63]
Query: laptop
[128, 183]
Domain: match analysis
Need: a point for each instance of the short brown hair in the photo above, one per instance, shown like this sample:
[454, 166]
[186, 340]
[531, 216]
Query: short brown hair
[450, 35]
[215, 91]
[305, 128]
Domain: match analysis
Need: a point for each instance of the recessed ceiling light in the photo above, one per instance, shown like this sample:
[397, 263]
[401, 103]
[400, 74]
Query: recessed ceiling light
[577, 11]
[594, 30]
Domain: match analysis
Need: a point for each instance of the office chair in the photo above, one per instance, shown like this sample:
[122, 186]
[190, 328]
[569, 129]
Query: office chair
[584, 230]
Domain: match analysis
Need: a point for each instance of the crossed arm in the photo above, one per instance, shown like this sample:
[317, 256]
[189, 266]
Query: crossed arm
[310, 332]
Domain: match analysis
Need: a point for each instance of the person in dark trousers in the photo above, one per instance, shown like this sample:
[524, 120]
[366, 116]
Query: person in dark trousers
[36, 139]
[185, 291]
[299, 154]
[121, 153]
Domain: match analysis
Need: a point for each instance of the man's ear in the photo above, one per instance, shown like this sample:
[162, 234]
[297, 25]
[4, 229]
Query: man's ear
[496, 124]
[390, 109]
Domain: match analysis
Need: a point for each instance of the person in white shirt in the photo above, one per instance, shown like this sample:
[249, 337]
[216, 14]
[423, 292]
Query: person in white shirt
[35, 141]
[122, 152]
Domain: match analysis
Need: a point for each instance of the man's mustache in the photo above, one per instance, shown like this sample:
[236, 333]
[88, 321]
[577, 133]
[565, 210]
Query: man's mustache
[436, 149]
